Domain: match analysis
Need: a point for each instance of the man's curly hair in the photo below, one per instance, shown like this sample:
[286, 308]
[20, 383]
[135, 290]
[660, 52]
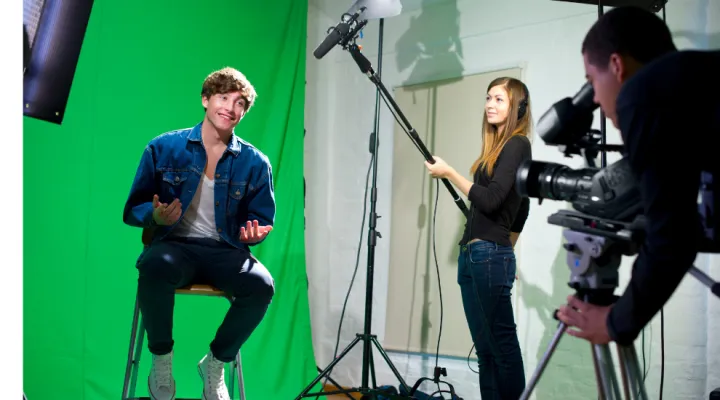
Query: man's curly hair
[229, 80]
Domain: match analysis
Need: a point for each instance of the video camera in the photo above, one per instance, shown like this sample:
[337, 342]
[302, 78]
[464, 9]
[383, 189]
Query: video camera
[609, 193]
[608, 222]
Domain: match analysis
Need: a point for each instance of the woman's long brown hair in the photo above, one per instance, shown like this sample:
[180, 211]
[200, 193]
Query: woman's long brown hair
[494, 141]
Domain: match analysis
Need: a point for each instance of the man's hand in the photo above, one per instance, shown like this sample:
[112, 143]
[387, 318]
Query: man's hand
[588, 320]
[253, 233]
[164, 214]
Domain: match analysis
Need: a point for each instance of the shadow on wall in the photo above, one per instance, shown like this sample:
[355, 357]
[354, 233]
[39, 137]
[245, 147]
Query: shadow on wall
[423, 253]
[431, 46]
[570, 374]
[424, 223]
[714, 41]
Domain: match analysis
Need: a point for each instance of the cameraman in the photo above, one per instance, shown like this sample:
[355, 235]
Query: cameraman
[666, 104]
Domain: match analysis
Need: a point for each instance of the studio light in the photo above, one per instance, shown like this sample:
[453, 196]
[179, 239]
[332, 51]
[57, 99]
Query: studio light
[375, 9]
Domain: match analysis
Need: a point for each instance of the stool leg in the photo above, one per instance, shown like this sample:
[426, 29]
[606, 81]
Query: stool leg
[136, 362]
[133, 361]
[241, 383]
[237, 370]
[231, 386]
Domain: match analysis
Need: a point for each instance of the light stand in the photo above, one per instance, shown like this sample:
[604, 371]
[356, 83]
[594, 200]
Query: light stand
[603, 134]
[345, 35]
[366, 68]
[366, 337]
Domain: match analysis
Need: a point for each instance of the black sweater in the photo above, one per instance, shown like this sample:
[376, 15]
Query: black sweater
[667, 147]
[494, 201]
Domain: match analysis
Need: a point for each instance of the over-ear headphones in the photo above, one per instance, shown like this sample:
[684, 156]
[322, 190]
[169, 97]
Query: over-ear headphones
[523, 105]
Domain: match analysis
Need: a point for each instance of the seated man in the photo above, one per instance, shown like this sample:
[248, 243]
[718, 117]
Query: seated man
[205, 196]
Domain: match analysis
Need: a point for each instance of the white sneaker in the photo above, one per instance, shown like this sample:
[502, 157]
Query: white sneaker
[161, 384]
[212, 372]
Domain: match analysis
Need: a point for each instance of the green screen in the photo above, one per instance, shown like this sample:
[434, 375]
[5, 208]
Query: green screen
[139, 75]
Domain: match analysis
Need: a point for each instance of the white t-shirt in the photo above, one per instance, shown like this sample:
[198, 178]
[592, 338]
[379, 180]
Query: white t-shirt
[199, 219]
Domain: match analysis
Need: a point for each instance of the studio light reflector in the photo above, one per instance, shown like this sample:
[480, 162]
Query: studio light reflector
[375, 9]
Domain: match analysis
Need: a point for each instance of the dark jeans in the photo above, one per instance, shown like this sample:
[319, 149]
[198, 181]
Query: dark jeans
[486, 272]
[177, 262]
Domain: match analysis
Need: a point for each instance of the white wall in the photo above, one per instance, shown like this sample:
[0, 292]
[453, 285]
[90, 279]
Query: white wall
[461, 38]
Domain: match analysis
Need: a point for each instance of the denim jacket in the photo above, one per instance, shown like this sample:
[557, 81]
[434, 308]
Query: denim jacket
[172, 166]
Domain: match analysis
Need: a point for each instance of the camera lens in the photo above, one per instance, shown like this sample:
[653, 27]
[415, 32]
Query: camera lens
[545, 180]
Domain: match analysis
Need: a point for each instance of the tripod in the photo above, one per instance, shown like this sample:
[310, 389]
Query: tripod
[595, 247]
[366, 337]
[594, 260]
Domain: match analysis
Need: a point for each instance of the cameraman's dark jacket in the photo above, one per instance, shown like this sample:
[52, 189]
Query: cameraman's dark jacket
[669, 118]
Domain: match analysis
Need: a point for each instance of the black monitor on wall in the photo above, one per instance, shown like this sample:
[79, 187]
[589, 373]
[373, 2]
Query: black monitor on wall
[53, 34]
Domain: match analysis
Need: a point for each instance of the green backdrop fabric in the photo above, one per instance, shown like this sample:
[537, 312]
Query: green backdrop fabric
[139, 75]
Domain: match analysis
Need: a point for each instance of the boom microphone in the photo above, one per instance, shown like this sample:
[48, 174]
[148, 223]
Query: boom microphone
[337, 33]
[332, 39]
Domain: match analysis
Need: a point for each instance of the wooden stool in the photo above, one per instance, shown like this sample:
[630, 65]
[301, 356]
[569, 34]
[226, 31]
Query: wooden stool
[133, 362]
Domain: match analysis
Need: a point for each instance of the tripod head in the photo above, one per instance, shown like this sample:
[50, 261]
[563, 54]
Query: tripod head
[595, 248]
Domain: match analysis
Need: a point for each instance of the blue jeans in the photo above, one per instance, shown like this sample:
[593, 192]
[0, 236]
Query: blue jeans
[486, 272]
[176, 262]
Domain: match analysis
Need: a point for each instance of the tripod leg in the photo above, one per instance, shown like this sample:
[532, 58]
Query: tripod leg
[328, 368]
[624, 374]
[598, 379]
[372, 395]
[606, 371]
[631, 368]
[543, 362]
[372, 370]
[334, 382]
[390, 364]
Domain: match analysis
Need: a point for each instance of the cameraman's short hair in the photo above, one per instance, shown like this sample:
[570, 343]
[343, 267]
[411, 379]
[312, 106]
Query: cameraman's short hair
[628, 31]
[229, 80]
